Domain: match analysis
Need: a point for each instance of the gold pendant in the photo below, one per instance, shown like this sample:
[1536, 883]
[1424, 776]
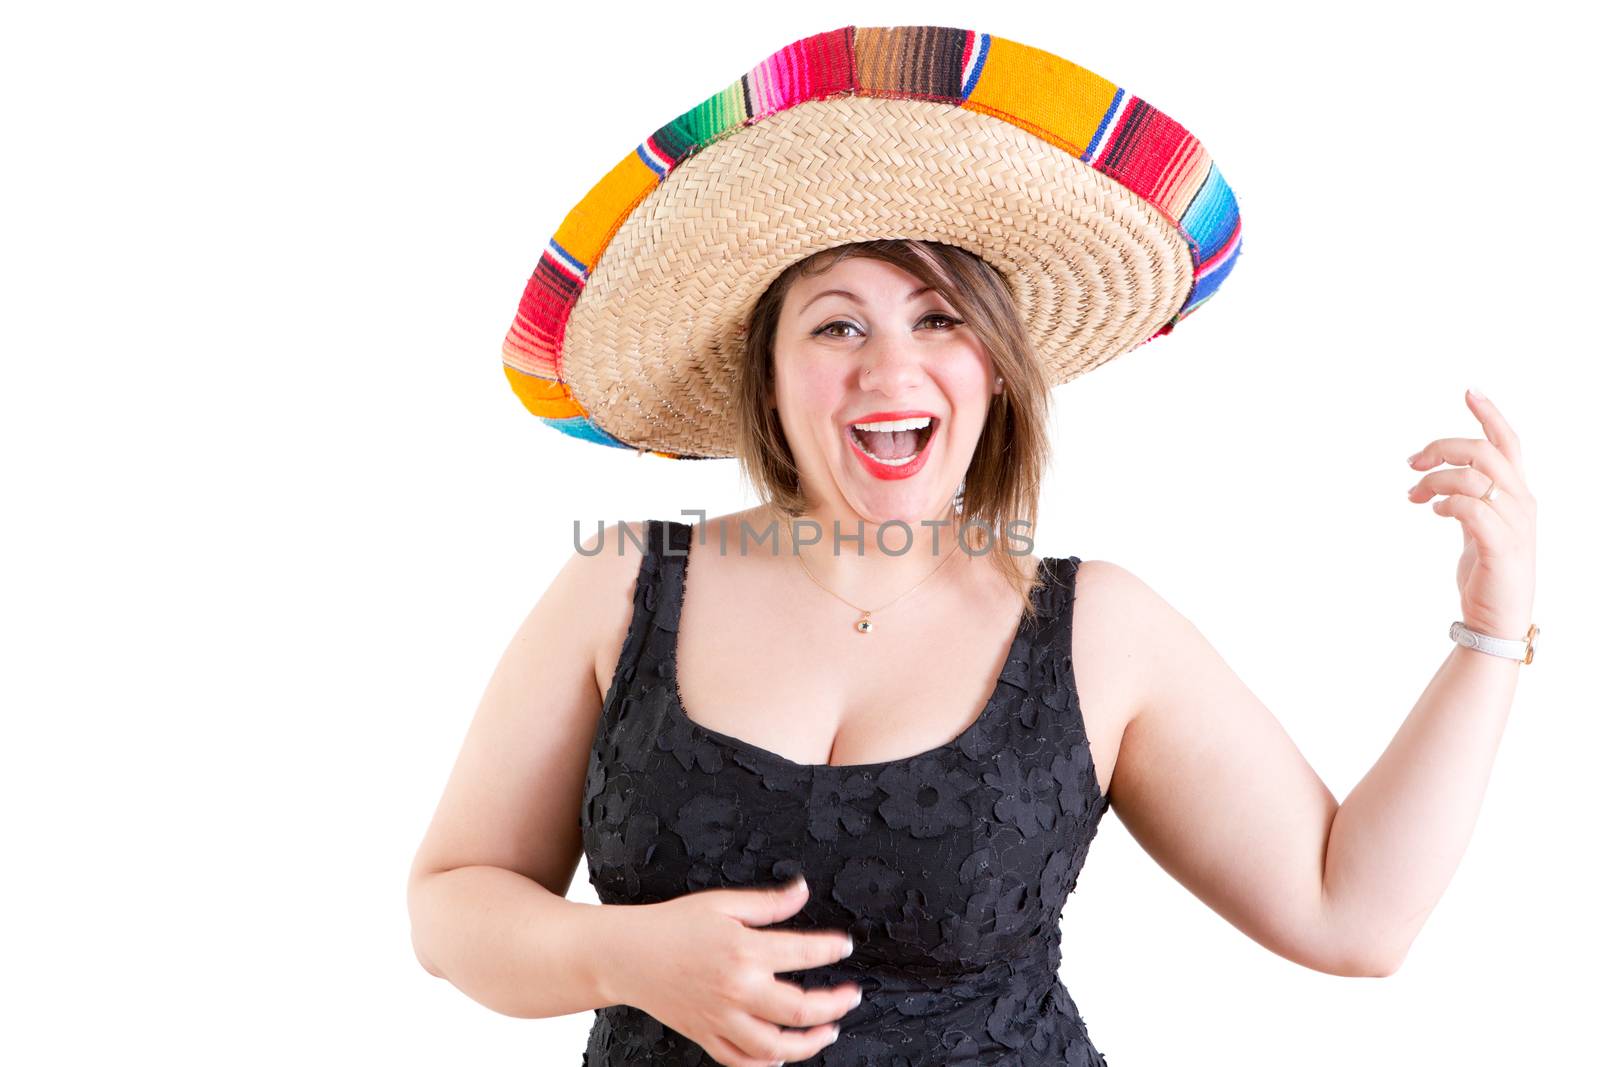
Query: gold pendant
[864, 624]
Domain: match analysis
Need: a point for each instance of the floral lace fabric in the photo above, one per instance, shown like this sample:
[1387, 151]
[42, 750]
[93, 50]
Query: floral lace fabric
[949, 869]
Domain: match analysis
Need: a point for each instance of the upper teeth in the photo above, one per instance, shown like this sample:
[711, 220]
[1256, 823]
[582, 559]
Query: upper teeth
[895, 424]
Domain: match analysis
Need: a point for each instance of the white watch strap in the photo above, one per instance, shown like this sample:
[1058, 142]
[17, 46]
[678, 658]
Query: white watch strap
[1495, 646]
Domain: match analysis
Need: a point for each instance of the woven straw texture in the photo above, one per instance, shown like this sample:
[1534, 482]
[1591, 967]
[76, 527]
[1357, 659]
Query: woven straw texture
[1108, 220]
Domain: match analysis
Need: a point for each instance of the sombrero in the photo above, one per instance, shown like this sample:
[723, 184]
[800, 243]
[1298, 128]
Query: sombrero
[1108, 220]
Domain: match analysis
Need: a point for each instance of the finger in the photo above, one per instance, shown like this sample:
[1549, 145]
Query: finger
[763, 905]
[726, 1052]
[1487, 527]
[770, 1043]
[798, 950]
[786, 1004]
[1472, 452]
[1496, 428]
[1467, 482]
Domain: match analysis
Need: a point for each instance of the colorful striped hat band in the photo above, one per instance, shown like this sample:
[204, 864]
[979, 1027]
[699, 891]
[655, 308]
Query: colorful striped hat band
[1107, 219]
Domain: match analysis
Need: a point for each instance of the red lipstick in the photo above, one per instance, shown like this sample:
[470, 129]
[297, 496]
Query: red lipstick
[887, 471]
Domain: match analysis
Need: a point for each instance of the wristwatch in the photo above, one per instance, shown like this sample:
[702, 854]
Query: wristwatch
[1511, 648]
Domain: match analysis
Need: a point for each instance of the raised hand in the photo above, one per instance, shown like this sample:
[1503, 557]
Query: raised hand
[1495, 573]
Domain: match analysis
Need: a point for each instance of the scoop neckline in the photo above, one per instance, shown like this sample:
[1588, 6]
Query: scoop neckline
[676, 704]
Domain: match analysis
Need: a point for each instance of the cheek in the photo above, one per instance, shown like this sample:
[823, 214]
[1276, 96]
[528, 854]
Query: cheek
[968, 363]
[806, 388]
[967, 382]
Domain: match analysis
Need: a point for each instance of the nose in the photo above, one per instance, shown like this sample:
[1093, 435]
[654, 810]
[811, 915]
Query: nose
[890, 366]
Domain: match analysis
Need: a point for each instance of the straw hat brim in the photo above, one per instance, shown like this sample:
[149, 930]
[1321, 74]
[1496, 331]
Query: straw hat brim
[650, 342]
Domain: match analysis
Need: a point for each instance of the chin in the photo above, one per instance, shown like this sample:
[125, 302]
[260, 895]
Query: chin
[908, 504]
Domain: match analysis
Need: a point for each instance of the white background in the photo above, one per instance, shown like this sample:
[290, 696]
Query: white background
[273, 512]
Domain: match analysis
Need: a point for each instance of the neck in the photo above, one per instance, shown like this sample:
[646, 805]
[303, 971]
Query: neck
[869, 562]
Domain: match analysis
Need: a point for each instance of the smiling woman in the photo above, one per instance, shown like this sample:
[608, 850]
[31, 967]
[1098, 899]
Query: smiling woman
[860, 270]
[1004, 429]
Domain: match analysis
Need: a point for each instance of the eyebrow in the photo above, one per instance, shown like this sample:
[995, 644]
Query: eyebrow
[851, 296]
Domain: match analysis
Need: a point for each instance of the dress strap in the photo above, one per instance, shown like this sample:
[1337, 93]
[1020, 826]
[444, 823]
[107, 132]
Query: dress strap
[1055, 597]
[671, 551]
[1053, 678]
[650, 594]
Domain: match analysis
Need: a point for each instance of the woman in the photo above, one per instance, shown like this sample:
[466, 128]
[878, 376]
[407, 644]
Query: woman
[875, 686]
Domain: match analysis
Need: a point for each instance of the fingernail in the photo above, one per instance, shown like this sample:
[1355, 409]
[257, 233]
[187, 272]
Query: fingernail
[1413, 458]
[1474, 393]
[836, 1032]
[857, 1004]
[799, 882]
[849, 944]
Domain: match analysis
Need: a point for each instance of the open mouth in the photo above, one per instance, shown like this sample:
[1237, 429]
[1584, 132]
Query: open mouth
[895, 442]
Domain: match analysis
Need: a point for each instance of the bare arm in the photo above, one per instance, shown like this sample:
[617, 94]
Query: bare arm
[1213, 788]
[512, 945]
[487, 888]
[1399, 836]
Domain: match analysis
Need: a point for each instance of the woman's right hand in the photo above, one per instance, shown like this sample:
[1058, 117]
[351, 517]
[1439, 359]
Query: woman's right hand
[705, 968]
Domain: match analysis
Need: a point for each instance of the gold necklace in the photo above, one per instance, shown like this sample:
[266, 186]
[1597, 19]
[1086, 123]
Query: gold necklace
[863, 625]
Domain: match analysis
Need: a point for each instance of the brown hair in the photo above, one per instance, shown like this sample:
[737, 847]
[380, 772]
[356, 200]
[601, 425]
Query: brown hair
[1001, 485]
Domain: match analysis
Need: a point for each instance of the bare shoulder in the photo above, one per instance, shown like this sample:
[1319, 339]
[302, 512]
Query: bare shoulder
[591, 597]
[1115, 618]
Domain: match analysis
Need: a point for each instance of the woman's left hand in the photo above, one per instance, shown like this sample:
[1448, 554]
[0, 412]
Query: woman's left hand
[1495, 574]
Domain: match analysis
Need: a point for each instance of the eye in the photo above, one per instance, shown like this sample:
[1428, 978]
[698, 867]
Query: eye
[822, 331]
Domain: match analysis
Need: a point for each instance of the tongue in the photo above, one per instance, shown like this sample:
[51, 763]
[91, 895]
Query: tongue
[894, 444]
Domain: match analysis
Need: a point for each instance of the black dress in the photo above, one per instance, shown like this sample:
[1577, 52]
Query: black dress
[949, 869]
